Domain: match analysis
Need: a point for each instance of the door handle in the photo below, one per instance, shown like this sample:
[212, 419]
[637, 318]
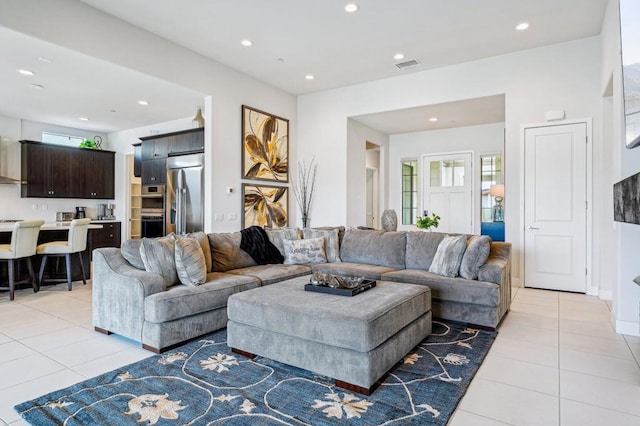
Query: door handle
[531, 228]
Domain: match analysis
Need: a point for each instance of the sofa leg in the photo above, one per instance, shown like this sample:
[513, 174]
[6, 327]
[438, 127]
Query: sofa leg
[102, 330]
[151, 348]
[243, 353]
[355, 388]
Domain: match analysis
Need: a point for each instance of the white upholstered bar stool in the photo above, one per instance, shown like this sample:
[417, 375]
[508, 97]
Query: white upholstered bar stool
[24, 239]
[76, 243]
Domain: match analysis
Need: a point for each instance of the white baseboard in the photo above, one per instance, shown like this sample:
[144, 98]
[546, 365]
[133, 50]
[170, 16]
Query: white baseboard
[628, 328]
[606, 295]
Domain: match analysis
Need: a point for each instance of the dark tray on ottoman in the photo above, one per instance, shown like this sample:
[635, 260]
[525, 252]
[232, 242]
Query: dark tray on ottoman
[363, 286]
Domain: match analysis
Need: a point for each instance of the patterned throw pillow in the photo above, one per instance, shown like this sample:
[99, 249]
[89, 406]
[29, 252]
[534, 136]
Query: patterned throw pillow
[158, 257]
[332, 249]
[190, 261]
[203, 239]
[301, 252]
[476, 254]
[448, 257]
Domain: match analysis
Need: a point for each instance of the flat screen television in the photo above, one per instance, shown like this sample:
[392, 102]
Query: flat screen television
[626, 200]
[630, 38]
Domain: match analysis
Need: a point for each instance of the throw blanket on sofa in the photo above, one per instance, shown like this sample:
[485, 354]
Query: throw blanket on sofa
[255, 241]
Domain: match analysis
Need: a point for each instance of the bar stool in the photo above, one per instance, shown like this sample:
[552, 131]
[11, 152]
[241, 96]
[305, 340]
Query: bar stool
[24, 239]
[76, 243]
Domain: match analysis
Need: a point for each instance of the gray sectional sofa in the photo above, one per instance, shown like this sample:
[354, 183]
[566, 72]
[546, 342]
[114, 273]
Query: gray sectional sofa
[139, 305]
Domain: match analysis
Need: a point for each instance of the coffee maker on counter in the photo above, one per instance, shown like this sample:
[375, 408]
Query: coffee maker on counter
[105, 211]
[81, 212]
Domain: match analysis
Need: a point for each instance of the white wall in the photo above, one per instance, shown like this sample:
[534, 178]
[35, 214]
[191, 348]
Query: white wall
[625, 162]
[75, 25]
[485, 139]
[357, 137]
[563, 76]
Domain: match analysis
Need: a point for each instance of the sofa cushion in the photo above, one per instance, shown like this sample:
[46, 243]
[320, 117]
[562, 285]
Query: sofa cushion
[276, 236]
[374, 248]
[331, 241]
[158, 256]
[302, 252]
[475, 255]
[130, 250]
[269, 274]
[450, 289]
[341, 230]
[182, 301]
[226, 253]
[421, 248]
[370, 272]
[190, 264]
[448, 257]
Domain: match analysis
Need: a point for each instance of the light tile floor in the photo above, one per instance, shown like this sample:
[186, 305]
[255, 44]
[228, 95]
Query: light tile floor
[556, 361]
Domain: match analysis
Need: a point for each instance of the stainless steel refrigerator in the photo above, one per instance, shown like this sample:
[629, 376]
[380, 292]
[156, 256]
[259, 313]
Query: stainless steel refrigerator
[184, 199]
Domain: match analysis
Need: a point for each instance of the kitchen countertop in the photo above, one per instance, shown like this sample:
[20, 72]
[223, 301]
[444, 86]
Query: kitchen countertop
[48, 226]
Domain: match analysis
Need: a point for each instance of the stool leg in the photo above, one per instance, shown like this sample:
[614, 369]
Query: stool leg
[42, 265]
[67, 259]
[11, 279]
[84, 281]
[34, 281]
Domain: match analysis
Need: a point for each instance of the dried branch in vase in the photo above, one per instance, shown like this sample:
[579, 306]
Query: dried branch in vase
[303, 188]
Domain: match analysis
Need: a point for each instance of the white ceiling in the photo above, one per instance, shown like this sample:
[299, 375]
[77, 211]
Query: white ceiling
[291, 38]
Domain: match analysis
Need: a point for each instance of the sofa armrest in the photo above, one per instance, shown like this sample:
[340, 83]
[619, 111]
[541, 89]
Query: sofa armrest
[497, 269]
[119, 290]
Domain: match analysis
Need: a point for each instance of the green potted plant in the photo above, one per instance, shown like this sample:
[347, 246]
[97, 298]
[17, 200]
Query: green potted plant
[428, 222]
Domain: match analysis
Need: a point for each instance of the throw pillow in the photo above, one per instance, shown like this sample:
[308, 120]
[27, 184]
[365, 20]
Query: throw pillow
[130, 250]
[332, 249]
[203, 239]
[476, 254]
[300, 252]
[158, 257]
[190, 261]
[448, 257]
[276, 236]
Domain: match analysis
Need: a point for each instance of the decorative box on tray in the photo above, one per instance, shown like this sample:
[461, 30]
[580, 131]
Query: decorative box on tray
[337, 284]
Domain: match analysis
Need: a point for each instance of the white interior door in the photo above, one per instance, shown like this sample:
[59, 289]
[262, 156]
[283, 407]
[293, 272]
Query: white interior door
[556, 207]
[370, 197]
[447, 184]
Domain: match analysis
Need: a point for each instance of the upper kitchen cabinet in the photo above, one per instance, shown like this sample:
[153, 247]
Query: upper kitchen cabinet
[54, 171]
[156, 148]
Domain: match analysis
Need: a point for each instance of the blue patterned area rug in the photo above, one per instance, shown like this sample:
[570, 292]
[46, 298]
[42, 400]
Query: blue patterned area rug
[204, 383]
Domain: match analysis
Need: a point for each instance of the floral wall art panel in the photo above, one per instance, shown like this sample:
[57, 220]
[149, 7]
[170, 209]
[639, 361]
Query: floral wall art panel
[265, 205]
[265, 146]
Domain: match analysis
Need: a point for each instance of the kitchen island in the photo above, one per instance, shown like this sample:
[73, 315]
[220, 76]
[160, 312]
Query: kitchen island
[51, 231]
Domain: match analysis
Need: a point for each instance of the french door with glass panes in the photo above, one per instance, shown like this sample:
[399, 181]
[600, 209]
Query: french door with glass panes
[447, 191]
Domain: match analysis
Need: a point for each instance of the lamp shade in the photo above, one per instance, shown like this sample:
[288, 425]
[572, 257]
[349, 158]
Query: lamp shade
[496, 190]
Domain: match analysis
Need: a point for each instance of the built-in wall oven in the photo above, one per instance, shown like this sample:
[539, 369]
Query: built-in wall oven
[152, 211]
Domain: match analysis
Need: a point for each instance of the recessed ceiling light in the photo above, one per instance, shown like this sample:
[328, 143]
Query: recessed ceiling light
[83, 118]
[246, 43]
[433, 119]
[26, 72]
[309, 77]
[145, 103]
[398, 56]
[351, 7]
[43, 59]
[522, 26]
[112, 110]
[37, 86]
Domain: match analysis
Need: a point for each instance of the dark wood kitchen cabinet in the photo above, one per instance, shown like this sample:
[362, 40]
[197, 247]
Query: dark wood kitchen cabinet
[156, 148]
[54, 171]
[108, 236]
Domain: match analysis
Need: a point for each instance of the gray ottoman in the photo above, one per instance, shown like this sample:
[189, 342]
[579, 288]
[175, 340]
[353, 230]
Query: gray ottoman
[354, 340]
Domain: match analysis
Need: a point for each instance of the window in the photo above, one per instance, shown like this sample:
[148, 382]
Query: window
[491, 175]
[409, 192]
[447, 173]
[57, 139]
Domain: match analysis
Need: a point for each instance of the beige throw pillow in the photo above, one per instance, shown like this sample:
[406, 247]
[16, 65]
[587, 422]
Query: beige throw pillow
[332, 249]
[302, 252]
[158, 257]
[190, 261]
